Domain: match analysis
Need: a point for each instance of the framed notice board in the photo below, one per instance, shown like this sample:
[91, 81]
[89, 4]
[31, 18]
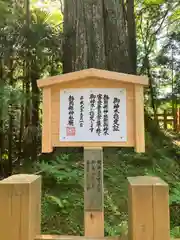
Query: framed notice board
[93, 108]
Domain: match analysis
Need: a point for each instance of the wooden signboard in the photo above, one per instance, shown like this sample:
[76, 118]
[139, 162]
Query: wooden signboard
[93, 115]
[93, 108]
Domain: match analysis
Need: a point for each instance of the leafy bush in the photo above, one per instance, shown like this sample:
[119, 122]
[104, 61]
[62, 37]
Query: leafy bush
[62, 200]
[63, 186]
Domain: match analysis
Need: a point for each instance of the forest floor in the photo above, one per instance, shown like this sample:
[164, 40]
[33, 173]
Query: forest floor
[62, 201]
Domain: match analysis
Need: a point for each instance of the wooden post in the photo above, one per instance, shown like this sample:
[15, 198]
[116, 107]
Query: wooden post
[139, 118]
[165, 120]
[93, 192]
[20, 207]
[148, 209]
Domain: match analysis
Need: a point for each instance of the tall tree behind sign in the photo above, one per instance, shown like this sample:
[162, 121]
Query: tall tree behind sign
[96, 35]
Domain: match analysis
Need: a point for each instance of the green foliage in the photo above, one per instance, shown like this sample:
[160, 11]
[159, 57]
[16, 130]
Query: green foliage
[175, 232]
[60, 171]
[62, 206]
[10, 96]
[156, 2]
[175, 194]
[63, 196]
[175, 15]
[5, 11]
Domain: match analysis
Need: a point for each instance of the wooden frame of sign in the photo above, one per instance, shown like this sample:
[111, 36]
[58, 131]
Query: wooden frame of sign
[89, 79]
[93, 109]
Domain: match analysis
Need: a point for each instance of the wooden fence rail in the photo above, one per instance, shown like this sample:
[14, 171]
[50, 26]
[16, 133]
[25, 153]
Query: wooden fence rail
[166, 118]
[20, 212]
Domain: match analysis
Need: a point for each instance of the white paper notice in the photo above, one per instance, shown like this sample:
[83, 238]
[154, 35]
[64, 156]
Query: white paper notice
[93, 115]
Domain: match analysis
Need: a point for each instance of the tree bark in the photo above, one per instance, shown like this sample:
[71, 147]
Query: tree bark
[116, 36]
[95, 36]
[69, 45]
[35, 109]
[11, 121]
[35, 95]
[131, 24]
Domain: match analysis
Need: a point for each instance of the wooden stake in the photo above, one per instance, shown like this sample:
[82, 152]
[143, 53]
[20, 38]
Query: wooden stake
[20, 207]
[139, 119]
[148, 209]
[93, 192]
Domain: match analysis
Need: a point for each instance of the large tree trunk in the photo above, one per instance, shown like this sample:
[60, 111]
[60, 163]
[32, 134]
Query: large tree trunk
[116, 36]
[27, 67]
[95, 35]
[69, 46]
[131, 23]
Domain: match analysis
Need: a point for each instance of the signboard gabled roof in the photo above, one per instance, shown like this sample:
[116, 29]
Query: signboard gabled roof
[93, 73]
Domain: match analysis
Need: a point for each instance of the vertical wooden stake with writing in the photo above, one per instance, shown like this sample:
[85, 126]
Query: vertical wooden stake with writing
[93, 192]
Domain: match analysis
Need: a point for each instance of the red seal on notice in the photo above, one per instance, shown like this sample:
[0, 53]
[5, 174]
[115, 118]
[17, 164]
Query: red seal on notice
[70, 131]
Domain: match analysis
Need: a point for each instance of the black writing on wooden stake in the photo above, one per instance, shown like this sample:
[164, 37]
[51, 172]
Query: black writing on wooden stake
[87, 170]
[98, 177]
[93, 173]
[71, 111]
[93, 180]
